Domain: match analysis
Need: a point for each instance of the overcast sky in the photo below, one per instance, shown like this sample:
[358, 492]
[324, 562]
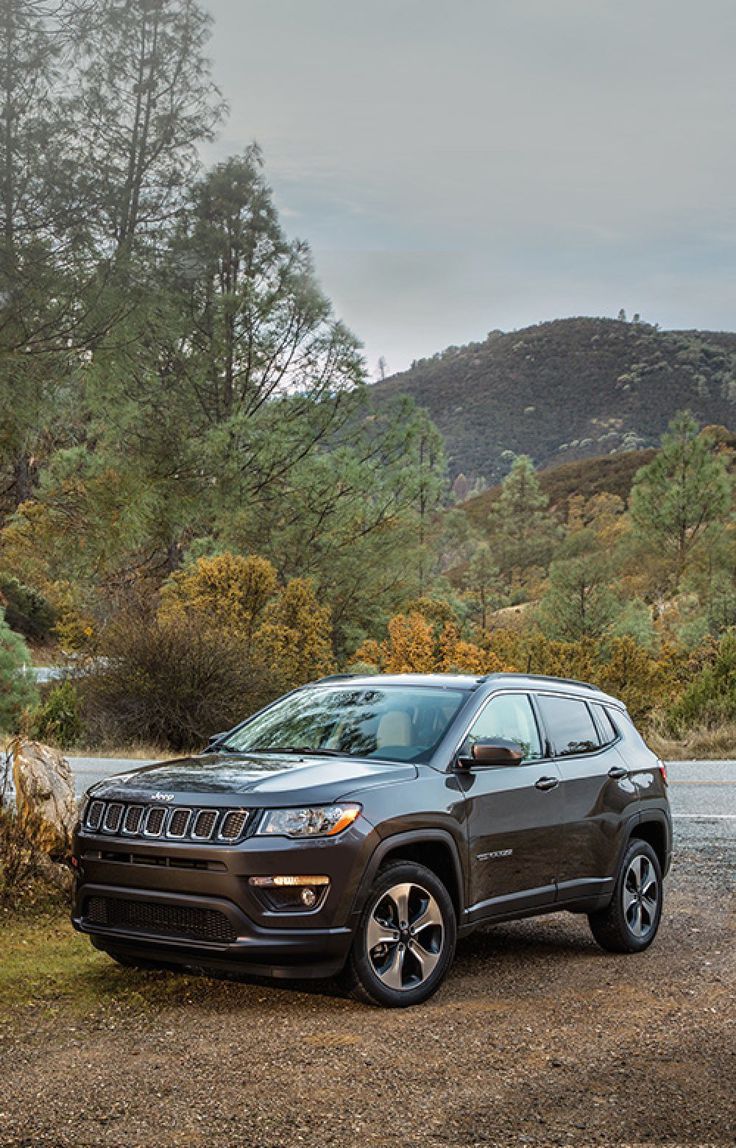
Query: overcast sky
[462, 165]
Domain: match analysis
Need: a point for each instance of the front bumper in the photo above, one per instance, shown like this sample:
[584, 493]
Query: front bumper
[191, 904]
[306, 952]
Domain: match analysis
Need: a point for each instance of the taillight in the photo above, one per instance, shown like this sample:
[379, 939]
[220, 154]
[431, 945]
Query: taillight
[663, 770]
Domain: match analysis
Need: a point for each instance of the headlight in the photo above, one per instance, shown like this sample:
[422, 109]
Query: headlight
[314, 821]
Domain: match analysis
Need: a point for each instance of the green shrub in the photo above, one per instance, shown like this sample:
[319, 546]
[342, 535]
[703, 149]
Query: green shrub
[59, 718]
[18, 690]
[170, 682]
[26, 610]
[710, 698]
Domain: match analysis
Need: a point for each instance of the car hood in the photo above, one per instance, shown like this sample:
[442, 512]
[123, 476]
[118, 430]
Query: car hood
[259, 780]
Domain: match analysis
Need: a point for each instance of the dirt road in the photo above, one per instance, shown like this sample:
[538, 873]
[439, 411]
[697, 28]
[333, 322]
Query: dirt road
[537, 1038]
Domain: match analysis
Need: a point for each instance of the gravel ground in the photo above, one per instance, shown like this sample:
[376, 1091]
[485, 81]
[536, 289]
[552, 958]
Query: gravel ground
[537, 1038]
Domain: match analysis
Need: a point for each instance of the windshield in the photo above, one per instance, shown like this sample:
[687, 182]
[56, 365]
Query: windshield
[394, 723]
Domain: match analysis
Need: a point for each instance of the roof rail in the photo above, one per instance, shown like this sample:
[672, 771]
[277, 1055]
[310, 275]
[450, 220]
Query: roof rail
[337, 677]
[542, 678]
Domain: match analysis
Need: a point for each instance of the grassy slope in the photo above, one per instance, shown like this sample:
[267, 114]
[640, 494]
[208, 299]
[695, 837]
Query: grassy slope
[49, 968]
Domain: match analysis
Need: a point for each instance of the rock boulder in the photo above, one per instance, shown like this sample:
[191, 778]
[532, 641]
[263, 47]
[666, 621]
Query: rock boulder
[44, 786]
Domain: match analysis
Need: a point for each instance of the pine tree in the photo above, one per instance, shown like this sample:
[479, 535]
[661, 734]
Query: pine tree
[146, 102]
[683, 496]
[17, 690]
[522, 530]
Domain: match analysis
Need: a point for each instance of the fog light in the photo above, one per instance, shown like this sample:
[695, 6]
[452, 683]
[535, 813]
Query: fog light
[287, 893]
[286, 881]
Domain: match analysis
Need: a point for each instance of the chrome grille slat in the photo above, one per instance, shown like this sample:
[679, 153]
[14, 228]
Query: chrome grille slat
[133, 818]
[113, 817]
[233, 824]
[158, 822]
[178, 824]
[154, 823]
[95, 814]
[204, 824]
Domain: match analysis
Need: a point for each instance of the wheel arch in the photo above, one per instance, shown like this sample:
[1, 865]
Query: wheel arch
[655, 830]
[434, 848]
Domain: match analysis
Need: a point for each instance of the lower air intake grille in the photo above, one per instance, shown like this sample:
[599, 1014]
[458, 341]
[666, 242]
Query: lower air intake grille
[160, 920]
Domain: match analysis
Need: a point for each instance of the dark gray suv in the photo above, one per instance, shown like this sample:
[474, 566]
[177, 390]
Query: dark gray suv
[360, 825]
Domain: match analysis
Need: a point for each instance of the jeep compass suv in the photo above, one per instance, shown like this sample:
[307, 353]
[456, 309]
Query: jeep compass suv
[360, 825]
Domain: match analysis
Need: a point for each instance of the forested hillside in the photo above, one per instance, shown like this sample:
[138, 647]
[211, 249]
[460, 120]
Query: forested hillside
[203, 503]
[572, 388]
[584, 478]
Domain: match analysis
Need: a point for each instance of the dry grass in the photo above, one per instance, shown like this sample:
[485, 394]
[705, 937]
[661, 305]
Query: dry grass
[699, 744]
[135, 752]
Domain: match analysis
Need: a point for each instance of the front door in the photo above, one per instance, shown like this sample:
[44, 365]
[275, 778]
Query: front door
[514, 815]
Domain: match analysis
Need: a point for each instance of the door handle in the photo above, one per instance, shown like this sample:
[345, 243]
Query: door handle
[547, 783]
[618, 771]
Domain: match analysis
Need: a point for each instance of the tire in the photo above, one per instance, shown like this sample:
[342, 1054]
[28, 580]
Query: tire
[630, 923]
[389, 963]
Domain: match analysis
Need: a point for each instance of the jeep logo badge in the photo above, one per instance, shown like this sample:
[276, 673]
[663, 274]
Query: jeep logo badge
[163, 797]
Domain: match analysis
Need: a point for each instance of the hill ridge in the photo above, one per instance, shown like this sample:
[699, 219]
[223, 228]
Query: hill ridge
[567, 389]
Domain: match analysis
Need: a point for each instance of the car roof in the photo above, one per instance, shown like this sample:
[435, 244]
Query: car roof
[474, 681]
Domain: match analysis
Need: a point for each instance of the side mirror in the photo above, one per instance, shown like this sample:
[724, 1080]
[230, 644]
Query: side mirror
[491, 751]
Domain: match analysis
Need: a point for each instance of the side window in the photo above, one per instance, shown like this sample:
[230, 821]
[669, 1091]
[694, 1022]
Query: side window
[509, 716]
[569, 724]
[604, 721]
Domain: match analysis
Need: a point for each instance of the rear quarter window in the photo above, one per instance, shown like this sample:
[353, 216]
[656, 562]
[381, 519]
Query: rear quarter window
[605, 723]
[569, 724]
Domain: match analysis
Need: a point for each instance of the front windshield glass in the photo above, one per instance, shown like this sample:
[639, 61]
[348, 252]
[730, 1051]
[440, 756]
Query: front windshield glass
[393, 723]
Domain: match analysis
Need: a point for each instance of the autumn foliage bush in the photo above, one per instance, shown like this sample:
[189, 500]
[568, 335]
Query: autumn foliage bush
[169, 683]
[418, 643]
[709, 699]
[225, 640]
[415, 645]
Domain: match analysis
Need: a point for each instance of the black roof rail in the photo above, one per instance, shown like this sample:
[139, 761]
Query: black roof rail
[542, 678]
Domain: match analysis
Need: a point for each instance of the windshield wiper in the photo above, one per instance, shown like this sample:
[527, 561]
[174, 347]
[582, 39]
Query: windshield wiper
[301, 750]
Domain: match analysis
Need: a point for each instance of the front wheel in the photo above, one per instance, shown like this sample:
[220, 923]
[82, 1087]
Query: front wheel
[629, 924]
[405, 941]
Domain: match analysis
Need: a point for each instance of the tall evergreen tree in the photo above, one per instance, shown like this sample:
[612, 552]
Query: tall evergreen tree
[146, 101]
[683, 496]
[522, 530]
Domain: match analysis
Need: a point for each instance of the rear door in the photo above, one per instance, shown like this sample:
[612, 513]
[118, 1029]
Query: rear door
[513, 821]
[596, 790]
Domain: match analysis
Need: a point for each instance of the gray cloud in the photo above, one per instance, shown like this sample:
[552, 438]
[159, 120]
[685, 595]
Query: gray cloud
[464, 165]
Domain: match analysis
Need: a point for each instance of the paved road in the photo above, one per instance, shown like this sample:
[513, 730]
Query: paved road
[88, 770]
[703, 797]
[703, 793]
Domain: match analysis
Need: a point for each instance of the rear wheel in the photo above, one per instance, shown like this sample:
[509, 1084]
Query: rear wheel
[629, 924]
[405, 941]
